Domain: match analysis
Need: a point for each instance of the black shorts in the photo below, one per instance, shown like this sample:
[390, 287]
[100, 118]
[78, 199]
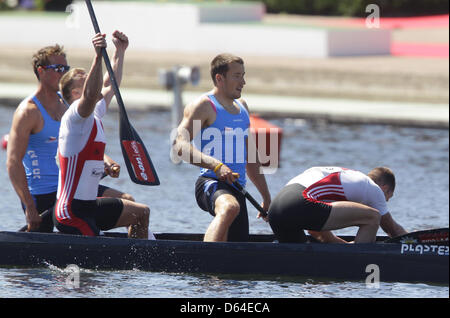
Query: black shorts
[290, 213]
[45, 202]
[101, 190]
[89, 217]
[207, 190]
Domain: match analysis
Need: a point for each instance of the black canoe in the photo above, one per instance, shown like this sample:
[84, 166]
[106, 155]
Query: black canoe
[402, 262]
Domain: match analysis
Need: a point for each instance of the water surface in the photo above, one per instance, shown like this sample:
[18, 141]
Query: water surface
[419, 158]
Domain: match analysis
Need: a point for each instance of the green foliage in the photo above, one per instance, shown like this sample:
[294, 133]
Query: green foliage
[39, 4]
[4, 5]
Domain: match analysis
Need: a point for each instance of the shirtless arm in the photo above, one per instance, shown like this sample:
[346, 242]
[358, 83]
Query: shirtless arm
[93, 84]
[391, 227]
[112, 168]
[120, 41]
[197, 116]
[254, 170]
[25, 120]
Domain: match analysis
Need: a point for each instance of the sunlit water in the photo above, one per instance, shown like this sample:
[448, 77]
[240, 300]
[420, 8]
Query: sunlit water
[419, 158]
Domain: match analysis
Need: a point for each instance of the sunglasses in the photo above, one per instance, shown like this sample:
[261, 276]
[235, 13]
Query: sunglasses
[57, 67]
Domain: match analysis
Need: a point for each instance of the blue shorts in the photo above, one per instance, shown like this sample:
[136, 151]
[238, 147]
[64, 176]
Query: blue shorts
[207, 190]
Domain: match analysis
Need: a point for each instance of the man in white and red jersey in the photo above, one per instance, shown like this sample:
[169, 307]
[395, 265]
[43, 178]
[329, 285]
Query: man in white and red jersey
[329, 198]
[81, 149]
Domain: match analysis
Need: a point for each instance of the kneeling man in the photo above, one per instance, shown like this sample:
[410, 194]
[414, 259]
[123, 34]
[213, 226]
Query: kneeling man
[322, 199]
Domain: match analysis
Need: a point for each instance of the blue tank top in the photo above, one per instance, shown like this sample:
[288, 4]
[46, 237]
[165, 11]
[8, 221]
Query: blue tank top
[39, 160]
[226, 139]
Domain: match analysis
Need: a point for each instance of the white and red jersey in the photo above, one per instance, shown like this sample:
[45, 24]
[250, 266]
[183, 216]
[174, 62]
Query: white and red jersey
[80, 154]
[330, 184]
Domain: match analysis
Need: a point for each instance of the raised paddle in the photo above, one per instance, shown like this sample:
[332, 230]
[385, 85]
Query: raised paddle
[432, 236]
[138, 162]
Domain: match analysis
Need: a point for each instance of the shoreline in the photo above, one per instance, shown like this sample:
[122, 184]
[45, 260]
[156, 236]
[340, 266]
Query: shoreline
[382, 89]
[329, 110]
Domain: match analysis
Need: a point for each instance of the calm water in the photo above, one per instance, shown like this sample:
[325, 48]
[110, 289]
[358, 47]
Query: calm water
[419, 157]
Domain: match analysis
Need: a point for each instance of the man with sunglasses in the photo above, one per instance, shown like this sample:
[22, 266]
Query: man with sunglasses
[60, 68]
[33, 142]
[34, 139]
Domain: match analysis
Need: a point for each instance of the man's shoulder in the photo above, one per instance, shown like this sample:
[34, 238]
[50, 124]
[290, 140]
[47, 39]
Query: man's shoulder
[28, 109]
[203, 101]
[243, 102]
[27, 117]
[355, 174]
[357, 180]
[201, 105]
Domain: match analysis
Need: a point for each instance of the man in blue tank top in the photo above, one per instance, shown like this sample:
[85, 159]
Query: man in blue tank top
[33, 142]
[219, 124]
[34, 136]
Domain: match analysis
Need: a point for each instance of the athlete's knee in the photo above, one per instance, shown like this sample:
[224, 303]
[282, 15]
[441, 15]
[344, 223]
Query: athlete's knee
[232, 209]
[138, 213]
[145, 213]
[228, 209]
[374, 217]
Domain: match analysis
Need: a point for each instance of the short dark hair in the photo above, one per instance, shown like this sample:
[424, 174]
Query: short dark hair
[219, 65]
[382, 176]
[41, 57]
[67, 80]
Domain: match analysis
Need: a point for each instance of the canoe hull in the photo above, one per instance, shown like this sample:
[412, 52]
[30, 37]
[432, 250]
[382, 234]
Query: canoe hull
[396, 262]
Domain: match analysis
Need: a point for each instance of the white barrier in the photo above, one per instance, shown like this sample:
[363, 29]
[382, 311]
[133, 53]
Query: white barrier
[190, 28]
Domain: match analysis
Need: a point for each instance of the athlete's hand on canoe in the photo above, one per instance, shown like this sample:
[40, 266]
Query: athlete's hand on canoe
[99, 42]
[33, 218]
[112, 170]
[120, 40]
[265, 205]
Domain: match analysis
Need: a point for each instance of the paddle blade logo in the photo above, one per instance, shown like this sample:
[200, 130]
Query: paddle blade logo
[138, 159]
[434, 237]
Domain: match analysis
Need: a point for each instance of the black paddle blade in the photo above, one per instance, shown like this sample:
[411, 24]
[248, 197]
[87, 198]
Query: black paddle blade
[433, 236]
[138, 162]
